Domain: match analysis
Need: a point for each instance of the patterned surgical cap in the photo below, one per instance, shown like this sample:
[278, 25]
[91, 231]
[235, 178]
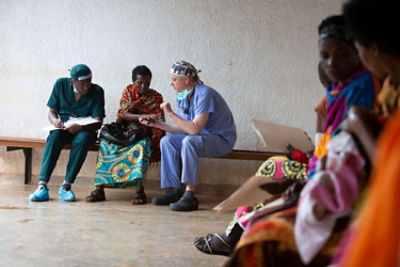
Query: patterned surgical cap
[183, 68]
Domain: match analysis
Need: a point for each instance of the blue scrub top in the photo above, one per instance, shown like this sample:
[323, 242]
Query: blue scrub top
[207, 100]
[63, 100]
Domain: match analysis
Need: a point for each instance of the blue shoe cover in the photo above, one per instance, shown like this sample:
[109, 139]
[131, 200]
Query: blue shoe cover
[68, 196]
[41, 194]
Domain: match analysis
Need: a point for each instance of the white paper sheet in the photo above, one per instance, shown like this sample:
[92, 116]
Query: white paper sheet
[72, 121]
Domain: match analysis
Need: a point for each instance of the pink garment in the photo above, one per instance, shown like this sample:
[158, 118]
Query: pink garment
[343, 163]
[240, 211]
[345, 187]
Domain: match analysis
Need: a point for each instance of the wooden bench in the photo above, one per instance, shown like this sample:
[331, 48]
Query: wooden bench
[27, 144]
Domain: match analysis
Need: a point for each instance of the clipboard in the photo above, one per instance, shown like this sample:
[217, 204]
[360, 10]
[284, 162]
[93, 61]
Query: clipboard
[247, 195]
[276, 136]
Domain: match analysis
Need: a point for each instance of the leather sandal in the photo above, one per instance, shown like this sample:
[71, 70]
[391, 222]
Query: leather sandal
[139, 198]
[220, 248]
[96, 195]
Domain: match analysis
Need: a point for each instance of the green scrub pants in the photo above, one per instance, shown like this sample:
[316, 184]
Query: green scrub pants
[57, 139]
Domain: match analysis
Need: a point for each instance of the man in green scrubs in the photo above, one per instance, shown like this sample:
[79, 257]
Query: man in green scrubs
[74, 97]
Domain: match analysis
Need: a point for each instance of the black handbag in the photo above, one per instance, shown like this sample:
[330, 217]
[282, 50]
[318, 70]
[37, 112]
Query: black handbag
[119, 134]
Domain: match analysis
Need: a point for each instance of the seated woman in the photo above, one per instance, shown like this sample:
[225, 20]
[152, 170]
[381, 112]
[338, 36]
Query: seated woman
[124, 167]
[376, 236]
[270, 239]
[352, 85]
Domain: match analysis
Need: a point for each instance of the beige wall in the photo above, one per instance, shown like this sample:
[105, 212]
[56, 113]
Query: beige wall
[261, 55]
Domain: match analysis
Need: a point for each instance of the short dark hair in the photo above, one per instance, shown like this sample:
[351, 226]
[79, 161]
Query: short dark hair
[140, 70]
[374, 21]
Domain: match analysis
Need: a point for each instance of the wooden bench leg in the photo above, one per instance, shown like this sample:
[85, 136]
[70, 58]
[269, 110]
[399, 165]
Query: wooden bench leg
[28, 162]
[28, 165]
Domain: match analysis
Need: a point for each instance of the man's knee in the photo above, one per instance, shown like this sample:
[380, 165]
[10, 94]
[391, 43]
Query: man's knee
[167, 141]
[192, 142]
[84, 139]
[56, 137]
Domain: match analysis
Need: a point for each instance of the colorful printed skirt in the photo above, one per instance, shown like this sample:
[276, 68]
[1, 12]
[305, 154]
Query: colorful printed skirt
[271, 242]
[122, 167]
[278, 167]
[275, 168]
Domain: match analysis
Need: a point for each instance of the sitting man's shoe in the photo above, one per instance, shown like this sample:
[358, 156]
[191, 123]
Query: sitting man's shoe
[66, 195]
[171, 196]
[186, 203]
[41, 194]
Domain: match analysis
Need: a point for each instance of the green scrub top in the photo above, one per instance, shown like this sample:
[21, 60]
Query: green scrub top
[62, 99]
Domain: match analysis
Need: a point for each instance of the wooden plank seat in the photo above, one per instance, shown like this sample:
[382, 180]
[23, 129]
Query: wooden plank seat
[27, 144]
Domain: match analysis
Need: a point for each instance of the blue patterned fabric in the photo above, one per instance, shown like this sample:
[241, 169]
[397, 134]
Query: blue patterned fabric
[122, 167]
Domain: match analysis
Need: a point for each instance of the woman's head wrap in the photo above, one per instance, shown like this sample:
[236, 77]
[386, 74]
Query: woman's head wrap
[335, 27]
[183, 68]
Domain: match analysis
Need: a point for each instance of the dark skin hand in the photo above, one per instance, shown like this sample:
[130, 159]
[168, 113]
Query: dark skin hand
[364, 124]
[319, 210]
[54, 119]
[277, 186]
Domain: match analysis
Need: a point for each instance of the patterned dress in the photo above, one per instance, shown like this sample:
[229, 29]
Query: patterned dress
[122, 167]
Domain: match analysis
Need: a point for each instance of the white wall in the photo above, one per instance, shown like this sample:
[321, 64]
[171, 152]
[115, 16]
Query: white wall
[261, 55]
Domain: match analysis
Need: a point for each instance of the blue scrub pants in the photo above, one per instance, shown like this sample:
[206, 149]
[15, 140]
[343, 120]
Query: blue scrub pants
[182, 152]
[57, 139]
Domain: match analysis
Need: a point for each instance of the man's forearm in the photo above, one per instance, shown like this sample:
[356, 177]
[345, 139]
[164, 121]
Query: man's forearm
[186, 126]
[171, 128]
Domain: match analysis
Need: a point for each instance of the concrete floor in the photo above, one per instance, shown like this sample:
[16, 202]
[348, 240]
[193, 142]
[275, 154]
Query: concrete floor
[110, 233]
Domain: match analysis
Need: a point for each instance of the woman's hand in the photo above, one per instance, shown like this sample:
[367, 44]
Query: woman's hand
[319, 210]
[149, 120]
[167, 108]
[365, 125]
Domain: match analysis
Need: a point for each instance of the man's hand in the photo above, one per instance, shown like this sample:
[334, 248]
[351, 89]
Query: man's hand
[147, 117]
[74, 129]
[55, 119]
[58, 123]
[167, 108]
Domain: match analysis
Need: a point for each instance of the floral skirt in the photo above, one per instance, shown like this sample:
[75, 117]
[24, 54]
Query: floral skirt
[275, 168]
[271, 242]
[122, 167]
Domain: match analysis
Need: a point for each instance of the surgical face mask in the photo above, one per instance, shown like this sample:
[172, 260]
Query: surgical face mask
[184, 94]
[76, 91]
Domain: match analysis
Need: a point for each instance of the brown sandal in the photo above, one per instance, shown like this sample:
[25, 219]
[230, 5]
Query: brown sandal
[139, 198]
[96, 195]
